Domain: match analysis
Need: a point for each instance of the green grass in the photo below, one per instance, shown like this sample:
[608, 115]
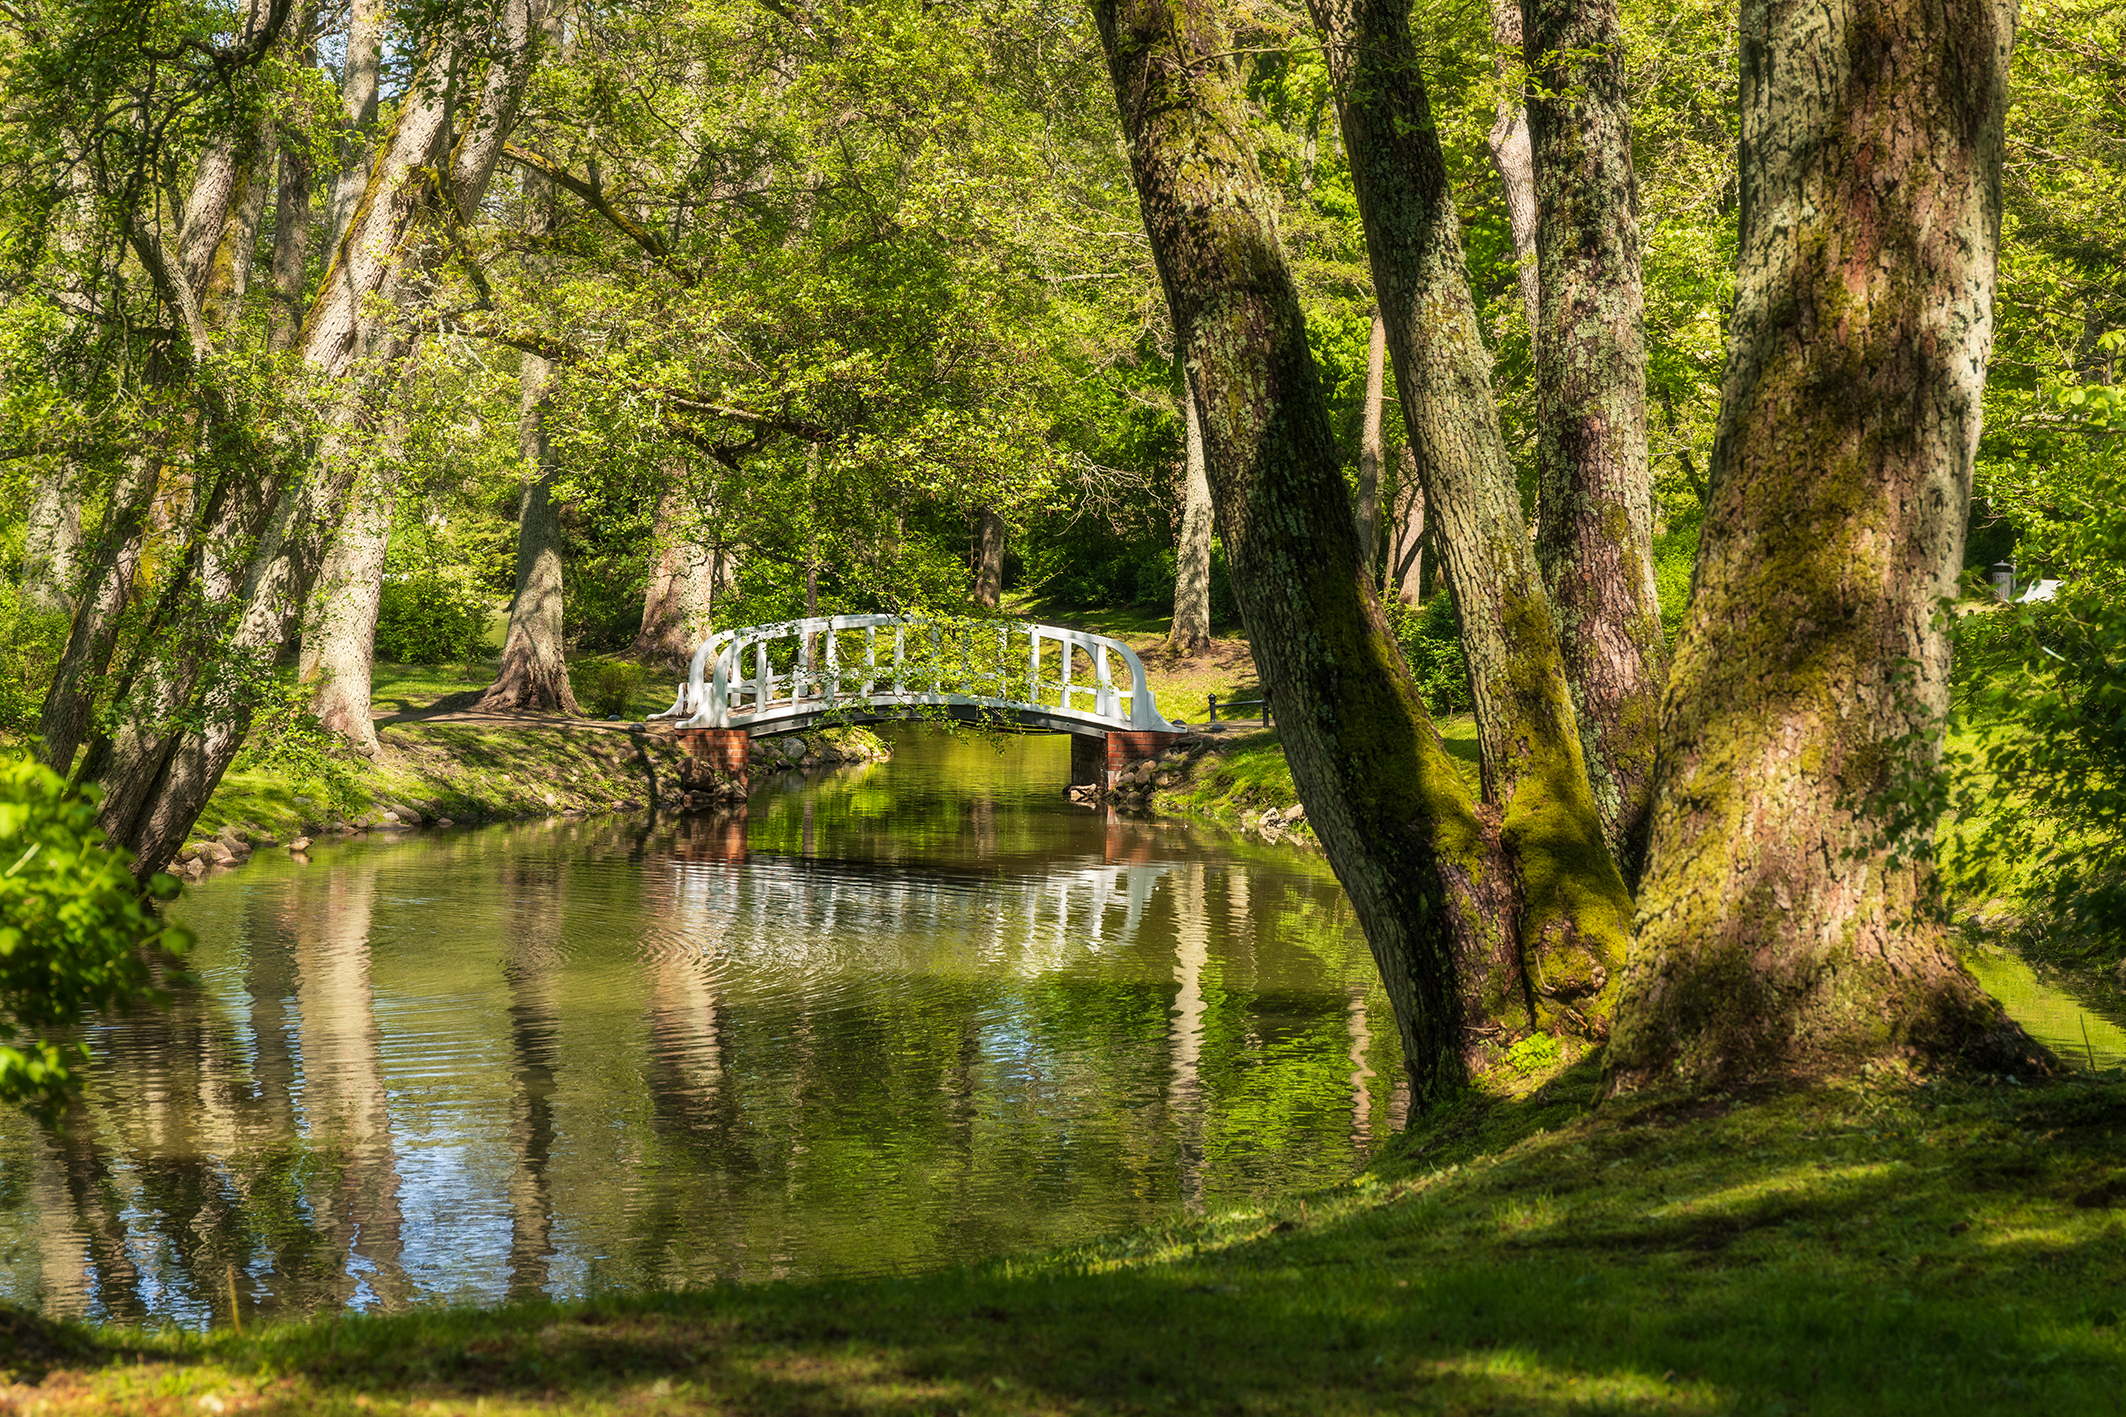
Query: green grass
[1246, 772]
[1867, 1247]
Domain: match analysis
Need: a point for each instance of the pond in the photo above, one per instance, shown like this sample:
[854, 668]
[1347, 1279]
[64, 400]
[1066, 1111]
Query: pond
[898, 1016]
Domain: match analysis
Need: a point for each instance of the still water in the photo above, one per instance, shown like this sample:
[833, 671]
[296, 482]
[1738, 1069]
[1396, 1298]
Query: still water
[898, 1016]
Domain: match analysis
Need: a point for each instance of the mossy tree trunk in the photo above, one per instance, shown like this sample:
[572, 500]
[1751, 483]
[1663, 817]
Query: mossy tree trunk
[1784, 927]
[1574, 913]
[1406, 840]
[1594, 529]
[1190, 632]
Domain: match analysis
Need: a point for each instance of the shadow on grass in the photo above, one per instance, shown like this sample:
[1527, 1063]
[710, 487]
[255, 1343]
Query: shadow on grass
[1946, 1248]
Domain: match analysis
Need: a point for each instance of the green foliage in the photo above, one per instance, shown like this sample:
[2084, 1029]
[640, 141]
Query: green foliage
[431, 617]
[287, 740]
[2046, 684]
[607, 685]
[73, 931]
[1431, 641]
[31, 641]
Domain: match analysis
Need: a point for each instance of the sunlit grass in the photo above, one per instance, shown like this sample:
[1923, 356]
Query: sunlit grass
[1864, 1248]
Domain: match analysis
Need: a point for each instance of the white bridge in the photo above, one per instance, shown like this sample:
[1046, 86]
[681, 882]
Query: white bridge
[779, 678]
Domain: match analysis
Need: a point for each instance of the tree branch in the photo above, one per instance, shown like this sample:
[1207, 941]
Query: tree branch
[593, 194]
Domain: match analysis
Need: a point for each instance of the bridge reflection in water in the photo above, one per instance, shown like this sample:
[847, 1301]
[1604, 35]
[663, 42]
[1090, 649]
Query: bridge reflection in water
[928, 1017]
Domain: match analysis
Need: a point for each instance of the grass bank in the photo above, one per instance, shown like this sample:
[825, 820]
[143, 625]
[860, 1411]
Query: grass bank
[1239, 778]
[1880, 1246]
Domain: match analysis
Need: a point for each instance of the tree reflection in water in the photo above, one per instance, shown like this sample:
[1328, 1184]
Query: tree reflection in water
[885, 1018]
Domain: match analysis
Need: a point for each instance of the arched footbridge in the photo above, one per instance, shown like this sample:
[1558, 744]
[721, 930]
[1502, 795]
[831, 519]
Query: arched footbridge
[847, 669]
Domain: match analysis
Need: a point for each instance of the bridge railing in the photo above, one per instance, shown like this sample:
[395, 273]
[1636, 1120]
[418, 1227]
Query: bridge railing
[756, 676]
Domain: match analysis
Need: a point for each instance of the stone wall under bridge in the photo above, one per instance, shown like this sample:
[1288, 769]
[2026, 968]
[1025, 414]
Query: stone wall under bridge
[717, 763]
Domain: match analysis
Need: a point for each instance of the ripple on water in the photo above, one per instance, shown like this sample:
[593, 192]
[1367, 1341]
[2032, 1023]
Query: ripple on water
[900, 1017]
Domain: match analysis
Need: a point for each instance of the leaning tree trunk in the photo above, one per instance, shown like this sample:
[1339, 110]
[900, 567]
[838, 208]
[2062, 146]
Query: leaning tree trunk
[1594, 531]
[1405, 576]
[988, 557]
[341, 340]
[534, 673]
[1401, 831]
[1575, 914]
[1190, 632]
[1512, 154]
[52, 537]
[1787, 924]
[1367, 515]
[339, 631]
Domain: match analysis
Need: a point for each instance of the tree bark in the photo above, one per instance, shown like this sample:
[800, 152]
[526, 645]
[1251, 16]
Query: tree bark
[358, 104]
[685, 580]
[534, 673]
[1594, 531]
[1400, 829]
[1575, 913]
[339, 631]
[1787, 925]
[291, 248]
[52, 537]
[343, 335]
[1190, 632]
[1405, 575]
[988, 557]
[1367, 516]
[1513, 156]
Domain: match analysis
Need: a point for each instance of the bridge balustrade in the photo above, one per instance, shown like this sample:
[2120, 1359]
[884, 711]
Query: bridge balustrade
[856, 668]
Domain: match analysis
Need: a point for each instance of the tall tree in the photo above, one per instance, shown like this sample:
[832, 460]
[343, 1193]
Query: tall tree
[534, 672]
[1574, 912]
[1366, 516]
[1594, 528]
[1786, 923]
[1419, 862]
[1190, 631]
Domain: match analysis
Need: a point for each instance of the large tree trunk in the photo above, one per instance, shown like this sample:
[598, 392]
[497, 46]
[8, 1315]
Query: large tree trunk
[1190, 632]
[358, 104]
[534, 673]
[1513, 156]
[1575, 914]
[1787, 927]
[291, 248]
[988, 557]
[1594, 534]
[52, 537]
[1400, 829]
[685, 580]
[339, 630]
[1367, 515]
[343, 330]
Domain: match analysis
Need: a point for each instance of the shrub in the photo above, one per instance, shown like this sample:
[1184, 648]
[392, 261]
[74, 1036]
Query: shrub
[1431, 641]
[608, 685]
[73, 928]
[430, 617]
[31, 642]
[287, 740]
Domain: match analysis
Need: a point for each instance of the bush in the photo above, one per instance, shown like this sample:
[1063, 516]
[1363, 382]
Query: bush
[2045, 789]
[31, 642]
[1431, 641]
[73, 928]
[608, 685]
[287, 740]
[431, 618]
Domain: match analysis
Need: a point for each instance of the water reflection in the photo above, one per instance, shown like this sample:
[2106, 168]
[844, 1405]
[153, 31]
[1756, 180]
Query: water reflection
[888, 1019]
